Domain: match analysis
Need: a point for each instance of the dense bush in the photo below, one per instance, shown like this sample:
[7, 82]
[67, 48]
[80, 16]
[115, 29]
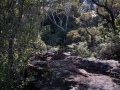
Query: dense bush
[75, 36]
[80, 49]
[108, 51]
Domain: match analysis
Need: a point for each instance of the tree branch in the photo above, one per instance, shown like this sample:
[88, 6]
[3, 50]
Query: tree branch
[110, 12]
[55, 22]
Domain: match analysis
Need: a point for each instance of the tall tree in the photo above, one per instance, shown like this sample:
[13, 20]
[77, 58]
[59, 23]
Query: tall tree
[109, 12]
[19, 23]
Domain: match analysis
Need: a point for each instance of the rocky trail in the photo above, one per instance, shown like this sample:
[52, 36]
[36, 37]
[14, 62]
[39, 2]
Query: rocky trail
[63, 71]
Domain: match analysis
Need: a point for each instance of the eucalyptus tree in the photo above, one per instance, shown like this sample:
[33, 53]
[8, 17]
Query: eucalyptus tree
[53, 11]
[19, 23]
[58, 13]
[108, 10]
[10, 23]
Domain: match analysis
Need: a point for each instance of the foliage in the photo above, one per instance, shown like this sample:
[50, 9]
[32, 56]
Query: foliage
[108, 51]
[53, 39]
[108, 10]
[80, 49]
[25, 27]
[72, 37]
[20, 24]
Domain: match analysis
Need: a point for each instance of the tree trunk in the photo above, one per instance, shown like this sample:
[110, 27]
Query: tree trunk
[92, 43]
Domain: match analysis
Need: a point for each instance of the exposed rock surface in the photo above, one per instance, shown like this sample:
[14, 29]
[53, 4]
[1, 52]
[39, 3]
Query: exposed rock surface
[61, 71]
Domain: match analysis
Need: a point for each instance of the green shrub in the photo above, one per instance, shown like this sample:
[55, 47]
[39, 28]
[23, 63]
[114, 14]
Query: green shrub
[108, 51]
[75, 36]
[80, 49]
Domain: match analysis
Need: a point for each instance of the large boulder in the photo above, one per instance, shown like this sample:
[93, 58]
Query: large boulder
[74, 73]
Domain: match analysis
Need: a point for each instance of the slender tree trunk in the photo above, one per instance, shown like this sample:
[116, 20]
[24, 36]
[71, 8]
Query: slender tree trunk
[21, 3]
[18, 31]
[13, 30]
[10, 61]
[10, 44]
[92, 39]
